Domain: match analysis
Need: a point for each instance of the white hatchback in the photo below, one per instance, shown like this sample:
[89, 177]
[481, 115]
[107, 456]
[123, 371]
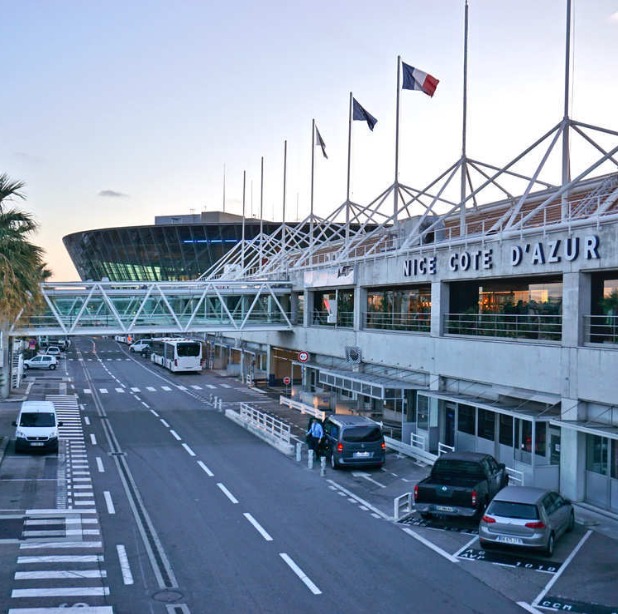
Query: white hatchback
[42, 361]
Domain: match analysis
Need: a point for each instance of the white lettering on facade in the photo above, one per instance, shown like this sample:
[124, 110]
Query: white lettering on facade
[538, 256]
[553, 246]
[591, 248]
[480, 259]
[420, 266]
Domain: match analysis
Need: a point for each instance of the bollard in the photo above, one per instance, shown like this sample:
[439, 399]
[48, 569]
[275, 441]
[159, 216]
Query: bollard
[310, 459]
[220, 404]
[323, 466]
[299, 451]
[214, 402]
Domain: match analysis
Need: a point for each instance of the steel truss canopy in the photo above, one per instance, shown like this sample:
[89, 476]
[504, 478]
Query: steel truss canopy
[100, 308]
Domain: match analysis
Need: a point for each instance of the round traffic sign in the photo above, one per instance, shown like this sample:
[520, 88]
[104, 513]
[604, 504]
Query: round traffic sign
[286, 381]
[303, 356]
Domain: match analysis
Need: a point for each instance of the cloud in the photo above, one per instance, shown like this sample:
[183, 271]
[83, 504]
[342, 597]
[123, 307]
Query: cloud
[614, 17]
[112, 194]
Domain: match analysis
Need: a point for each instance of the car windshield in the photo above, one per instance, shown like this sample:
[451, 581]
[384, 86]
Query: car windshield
[362, 434]
[37, 419]
[510, 509]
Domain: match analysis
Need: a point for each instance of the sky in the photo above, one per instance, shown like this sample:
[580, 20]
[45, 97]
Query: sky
[114, 112]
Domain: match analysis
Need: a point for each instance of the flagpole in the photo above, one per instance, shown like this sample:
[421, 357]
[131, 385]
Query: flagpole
[396, 184]
[312, 174]
[261, 208]
[462, 211]
[566, 170]
[347, 200]
[285, 162]
[244, 185]
[224, 188]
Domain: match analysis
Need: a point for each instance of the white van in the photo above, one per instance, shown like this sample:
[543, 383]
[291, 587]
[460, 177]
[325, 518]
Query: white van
[37, 427]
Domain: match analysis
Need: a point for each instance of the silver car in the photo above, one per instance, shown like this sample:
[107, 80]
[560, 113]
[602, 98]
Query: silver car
[41, 361]
[526, 517]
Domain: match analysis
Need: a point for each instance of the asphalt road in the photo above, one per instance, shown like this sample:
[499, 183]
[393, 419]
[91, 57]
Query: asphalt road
[194, 514]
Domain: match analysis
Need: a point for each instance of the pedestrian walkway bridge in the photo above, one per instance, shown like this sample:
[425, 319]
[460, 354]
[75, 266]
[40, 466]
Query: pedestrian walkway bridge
[110, 308]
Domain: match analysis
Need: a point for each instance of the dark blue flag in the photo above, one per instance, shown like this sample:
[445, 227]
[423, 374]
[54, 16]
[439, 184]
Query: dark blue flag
[359, 113]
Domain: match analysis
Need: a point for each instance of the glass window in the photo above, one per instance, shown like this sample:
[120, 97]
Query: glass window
[596, 454]
[540, 447]
[614, 459]
[487, 424]
[506, 430]
[362, 434]
[465, 419]
[423, 412]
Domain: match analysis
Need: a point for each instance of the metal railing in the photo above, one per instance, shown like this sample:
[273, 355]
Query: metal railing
[343, 319]
[303, 408]
[519, 326]
[601, 329]
[415, 322]
[265, 422]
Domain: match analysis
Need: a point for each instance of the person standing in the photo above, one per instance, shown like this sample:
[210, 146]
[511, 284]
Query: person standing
[315, 434]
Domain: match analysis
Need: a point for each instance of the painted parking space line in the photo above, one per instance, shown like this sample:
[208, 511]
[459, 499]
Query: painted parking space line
[432, 546]
[566, 563]
[127, 576]
[108, 502]
[209, 473]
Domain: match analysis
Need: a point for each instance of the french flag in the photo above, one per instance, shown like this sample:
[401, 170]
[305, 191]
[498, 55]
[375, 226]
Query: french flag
[415, 79]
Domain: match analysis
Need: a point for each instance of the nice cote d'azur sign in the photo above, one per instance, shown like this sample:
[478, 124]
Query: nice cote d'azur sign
[539, 253]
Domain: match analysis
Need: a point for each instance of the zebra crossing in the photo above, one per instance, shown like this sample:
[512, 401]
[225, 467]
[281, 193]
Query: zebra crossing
[161, 388]
[60, 566]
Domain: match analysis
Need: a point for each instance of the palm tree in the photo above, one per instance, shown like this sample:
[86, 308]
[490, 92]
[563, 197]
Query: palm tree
[22, 267]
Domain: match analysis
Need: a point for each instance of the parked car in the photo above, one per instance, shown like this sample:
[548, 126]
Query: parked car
[53, 350]
[139, 346]
[37, 427]
[352, 441]
[460, 484]
[524, 516]
[41, 361]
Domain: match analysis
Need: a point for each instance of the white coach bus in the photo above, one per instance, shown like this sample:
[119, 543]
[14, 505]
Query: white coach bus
[177, 354]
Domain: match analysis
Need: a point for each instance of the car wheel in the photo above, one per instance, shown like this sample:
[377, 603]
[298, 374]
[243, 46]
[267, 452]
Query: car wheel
[52, 367]
[571, 524]
[549, 550]
[333, 462]
[26, 367]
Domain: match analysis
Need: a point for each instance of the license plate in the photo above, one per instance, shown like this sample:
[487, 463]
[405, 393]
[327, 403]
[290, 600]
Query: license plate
[509, 540]
[361, 455]
[36, 443]
[444, 508]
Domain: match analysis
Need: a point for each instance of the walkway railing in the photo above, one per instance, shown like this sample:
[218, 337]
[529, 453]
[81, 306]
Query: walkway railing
[265, 422]
[601, 329]
[415, 322]
[519, 326]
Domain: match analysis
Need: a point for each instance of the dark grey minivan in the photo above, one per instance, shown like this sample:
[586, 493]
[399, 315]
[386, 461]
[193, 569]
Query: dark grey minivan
[353, 441]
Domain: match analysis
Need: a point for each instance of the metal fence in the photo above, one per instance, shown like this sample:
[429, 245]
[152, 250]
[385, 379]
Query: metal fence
[415, 322]
[265, 422]
[520, 326]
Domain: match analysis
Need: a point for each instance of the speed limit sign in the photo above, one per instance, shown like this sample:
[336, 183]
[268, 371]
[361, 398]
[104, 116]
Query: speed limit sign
[287, 381]
[303, 356]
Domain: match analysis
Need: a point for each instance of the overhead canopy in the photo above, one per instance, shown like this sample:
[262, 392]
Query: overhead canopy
[591, 428]
[526, 409]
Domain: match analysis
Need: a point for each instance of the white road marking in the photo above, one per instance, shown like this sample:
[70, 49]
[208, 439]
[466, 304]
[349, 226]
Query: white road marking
[154, 413]
[301, 574]
[127, 576]
[87, 391]
[164, 423]
[62, 558]
[119, 389]
[94, 591]
[61, 574]
[103, 390]
[227, 493]
[166, 388]
[188, 449]
[210, 386]
[108, 502]
[134, 389]
[181, 387]
[529, 608]
[258, 527]
[226, 386]
[345, 492]
[100, 466]
[426, 542]
[151, 388]
[86, 420]
[196, 387]
[564, 565]
[93, 439]
[209, 473]
[175, 435]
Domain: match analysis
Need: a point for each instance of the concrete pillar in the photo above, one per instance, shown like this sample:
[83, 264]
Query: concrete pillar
[572, 464]
[440, 292]
[360, 305]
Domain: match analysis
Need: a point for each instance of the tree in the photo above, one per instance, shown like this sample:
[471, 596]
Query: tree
[22, 267]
